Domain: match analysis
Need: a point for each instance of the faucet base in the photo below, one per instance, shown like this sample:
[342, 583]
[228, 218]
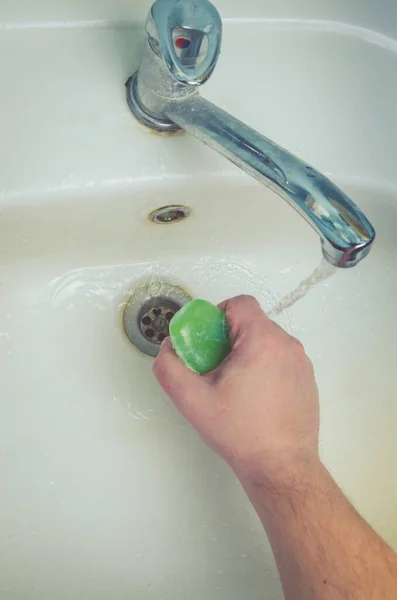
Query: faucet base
[160, 125]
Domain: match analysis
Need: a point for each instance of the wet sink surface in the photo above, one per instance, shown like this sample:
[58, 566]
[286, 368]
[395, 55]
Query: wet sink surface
[106, 491]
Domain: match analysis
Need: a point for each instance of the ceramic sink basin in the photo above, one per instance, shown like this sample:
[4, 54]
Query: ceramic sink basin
[102, 478]
[106, 492]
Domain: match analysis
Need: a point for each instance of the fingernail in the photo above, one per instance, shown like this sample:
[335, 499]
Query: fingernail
[165, 341]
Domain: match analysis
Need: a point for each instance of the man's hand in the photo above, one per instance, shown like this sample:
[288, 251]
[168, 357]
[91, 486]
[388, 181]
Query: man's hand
[259, 408]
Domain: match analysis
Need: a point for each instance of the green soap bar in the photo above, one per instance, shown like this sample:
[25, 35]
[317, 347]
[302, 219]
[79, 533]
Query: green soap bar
[200, 335]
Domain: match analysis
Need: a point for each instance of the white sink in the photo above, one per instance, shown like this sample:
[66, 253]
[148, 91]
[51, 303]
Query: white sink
[106, 492]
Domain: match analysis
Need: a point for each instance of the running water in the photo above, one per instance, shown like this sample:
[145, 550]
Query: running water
[320, 273]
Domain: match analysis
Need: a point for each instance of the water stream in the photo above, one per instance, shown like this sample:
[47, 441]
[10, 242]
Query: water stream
[320, 274]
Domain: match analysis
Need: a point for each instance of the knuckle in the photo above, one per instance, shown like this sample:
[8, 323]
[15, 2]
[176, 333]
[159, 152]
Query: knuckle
[309, 364]
[238, 304]
[298, 351]
[246, 299]
[297, 345]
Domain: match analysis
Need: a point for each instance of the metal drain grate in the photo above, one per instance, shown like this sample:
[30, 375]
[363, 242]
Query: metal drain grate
[148, 312]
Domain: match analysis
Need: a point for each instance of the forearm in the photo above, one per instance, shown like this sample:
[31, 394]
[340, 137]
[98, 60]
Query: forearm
[259, 410]
[324, 550]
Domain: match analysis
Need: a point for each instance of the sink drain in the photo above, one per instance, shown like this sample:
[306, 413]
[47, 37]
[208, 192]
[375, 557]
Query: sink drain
[156, 317]
[170, 214]
[148, 312]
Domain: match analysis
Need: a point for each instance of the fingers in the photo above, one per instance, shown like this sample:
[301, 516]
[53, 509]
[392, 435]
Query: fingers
[180, 383]
[222, 305]
[243, 315]
[189, 391]
[171, 373]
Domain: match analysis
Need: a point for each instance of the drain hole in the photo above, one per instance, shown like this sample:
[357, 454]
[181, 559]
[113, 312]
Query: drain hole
[146, 317]
[154, 318]
[169, 214]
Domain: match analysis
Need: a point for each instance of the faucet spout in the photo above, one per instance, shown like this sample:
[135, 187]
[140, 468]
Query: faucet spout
[181, 50]
[346, 234]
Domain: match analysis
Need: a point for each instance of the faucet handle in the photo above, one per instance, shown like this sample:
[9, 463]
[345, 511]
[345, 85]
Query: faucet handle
[188, 35]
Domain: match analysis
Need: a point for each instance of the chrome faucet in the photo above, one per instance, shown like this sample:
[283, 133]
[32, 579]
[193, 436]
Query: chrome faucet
[181, 50]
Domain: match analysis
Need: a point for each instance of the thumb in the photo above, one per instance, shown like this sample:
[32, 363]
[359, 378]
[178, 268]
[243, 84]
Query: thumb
[184, 387]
